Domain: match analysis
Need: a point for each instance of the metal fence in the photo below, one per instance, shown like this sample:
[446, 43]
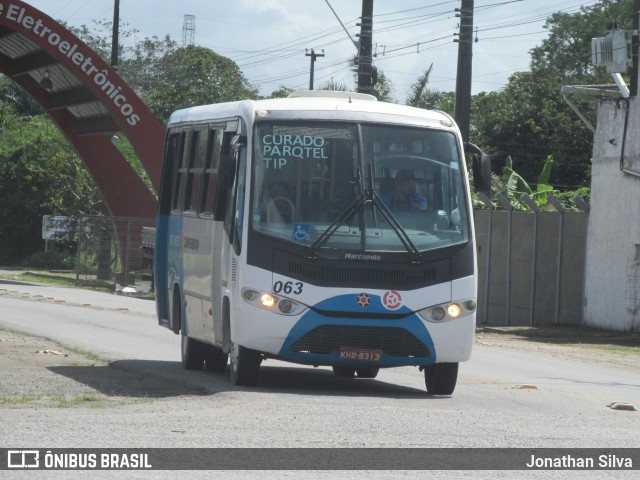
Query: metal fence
[531, 265]
[111, 252]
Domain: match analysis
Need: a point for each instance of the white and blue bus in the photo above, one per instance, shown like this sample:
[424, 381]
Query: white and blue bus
[326, 228]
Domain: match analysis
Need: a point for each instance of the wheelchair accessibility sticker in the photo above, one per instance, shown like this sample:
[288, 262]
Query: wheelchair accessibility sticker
[300, 232]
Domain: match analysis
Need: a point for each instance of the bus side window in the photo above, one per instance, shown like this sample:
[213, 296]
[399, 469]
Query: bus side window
[226, 177]
[169, 173]
[196, 170]
[180, 184]
[211, 171]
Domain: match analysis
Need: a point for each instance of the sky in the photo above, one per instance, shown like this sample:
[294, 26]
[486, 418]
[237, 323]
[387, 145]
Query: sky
[269, 39]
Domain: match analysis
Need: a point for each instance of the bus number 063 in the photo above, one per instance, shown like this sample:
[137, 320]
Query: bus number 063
[288, 287]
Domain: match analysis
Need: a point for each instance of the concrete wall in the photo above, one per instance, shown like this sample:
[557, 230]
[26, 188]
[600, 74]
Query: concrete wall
[612, 287]
[534, 269]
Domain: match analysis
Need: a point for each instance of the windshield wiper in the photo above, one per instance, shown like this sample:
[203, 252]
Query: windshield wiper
[368, 196]
[344, 216]
[414, 253]
[375, 199]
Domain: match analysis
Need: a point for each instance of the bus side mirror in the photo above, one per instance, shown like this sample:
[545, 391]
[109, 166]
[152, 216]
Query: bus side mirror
[481, 167]
[238, 141]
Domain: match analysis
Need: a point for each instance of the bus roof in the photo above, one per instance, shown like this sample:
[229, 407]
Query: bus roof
[310, 101]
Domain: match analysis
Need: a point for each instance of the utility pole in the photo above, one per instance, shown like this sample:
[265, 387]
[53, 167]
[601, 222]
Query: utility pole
[115, 35]
[462, 112]
[365, 58]
[313, 56]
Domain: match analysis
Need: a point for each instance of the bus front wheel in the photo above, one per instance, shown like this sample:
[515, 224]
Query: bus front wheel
[244, 365]
[441, 378]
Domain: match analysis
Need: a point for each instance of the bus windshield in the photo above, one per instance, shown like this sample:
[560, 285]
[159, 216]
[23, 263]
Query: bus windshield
[358, 186]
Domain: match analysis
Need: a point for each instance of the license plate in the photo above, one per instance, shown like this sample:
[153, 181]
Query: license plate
[359, 354]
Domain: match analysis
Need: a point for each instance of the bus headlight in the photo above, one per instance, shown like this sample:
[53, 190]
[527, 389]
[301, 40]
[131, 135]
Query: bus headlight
[448, 311]
[272, 302]
[267, 301]
[454, 310]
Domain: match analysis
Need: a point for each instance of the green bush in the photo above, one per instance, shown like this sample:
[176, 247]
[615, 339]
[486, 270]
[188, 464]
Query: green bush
[51, 259]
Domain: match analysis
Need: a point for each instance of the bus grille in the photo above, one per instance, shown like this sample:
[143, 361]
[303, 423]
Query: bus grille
[372, 276]
[393, 341]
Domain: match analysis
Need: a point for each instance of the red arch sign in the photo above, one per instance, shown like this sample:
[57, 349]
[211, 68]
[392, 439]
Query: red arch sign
[88, 101]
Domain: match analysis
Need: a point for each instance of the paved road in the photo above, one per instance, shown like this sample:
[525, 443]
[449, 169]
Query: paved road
[307, 407]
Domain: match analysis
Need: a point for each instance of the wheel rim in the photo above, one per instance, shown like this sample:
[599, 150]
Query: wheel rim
[183, 347]
[233, 357]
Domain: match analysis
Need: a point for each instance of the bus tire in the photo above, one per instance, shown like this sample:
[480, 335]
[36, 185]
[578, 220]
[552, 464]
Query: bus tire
[244, 365]
[370, 371]
[215, 360]
[441, 378]
[176, 312]
[193, 353]
[339, 371]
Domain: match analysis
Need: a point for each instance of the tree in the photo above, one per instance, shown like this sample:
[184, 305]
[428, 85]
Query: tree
[140, 63]
[14, 100]
[195, 75]
[383, 88]
[334, 86]
[39, 175]
[566, 52]
[423, 97]
[529, 120]
[281, 92]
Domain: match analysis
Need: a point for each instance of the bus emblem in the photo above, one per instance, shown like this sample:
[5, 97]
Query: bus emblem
[363, 300]
[392, 300]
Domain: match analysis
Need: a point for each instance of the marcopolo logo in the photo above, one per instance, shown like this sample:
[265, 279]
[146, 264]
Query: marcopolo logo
[70, 49]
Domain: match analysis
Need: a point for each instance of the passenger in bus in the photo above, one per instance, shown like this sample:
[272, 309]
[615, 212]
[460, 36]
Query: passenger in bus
[404, 196]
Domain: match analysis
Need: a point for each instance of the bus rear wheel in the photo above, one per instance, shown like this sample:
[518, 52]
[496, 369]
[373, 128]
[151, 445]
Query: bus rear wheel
[215, 359]
[441, 378]
[193, 353]
[244, 365]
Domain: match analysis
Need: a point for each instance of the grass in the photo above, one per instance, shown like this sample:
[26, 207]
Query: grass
[68, 279]
[625, 350]
[85, 353]
[622, 343]
[20, 400]
[49, 280]
[91, 399]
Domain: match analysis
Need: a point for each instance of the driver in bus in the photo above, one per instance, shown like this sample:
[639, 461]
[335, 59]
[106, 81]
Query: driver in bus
[404, 196]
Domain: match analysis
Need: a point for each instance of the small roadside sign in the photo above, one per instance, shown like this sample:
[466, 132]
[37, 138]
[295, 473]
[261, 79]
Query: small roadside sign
[54, 227]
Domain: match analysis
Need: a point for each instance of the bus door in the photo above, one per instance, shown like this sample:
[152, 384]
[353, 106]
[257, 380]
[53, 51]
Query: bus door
[227, 229]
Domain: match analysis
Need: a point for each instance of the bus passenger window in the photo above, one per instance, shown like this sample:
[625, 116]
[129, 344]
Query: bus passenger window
[211, 171]
[181, 174]
[169, 173]
[196, 170]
